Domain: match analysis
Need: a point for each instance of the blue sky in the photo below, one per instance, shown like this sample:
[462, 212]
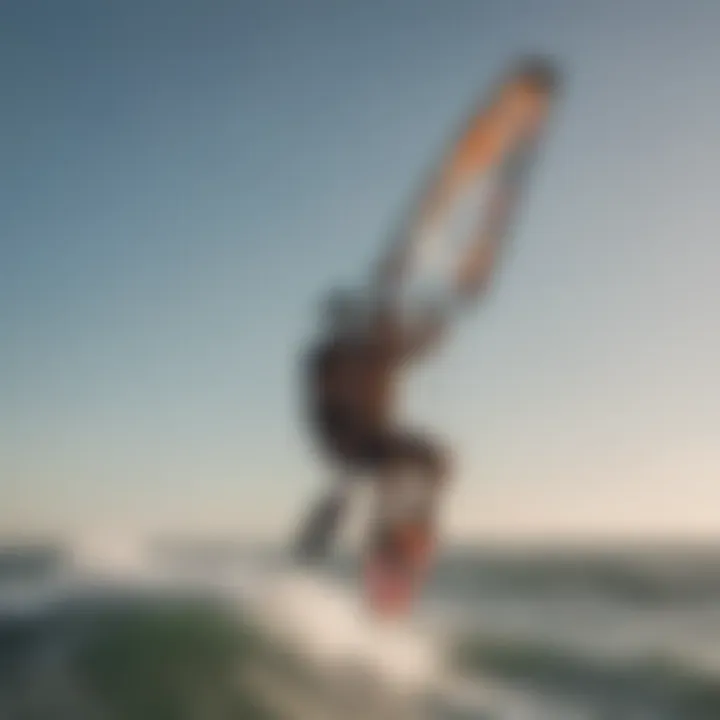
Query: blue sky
[182, 180]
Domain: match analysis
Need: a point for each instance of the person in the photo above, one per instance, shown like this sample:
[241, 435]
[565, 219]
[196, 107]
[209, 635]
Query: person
[352, 372]
[351, 383]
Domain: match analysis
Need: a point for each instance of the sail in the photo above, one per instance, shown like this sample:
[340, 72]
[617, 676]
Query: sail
[452, 240]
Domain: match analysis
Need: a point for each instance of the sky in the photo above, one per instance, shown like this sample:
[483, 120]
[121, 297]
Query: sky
[182, 180]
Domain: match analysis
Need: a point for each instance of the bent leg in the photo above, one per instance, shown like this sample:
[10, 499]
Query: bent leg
[412, 464]
[401, 545]
[320, 526]
[412, 470]
[340, 440]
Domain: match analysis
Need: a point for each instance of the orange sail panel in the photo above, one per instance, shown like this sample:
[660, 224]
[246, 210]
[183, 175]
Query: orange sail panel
[463, 217]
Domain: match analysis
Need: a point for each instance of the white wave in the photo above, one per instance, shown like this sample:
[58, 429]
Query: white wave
[109, 553]
[330, 625]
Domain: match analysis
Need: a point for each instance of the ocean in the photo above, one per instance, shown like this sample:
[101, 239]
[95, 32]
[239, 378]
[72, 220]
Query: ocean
[554, 633]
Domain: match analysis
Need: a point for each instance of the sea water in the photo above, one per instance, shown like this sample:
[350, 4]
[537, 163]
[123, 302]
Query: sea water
[587, 634]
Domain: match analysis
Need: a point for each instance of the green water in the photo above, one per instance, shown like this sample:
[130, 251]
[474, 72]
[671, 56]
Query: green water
[137, 661]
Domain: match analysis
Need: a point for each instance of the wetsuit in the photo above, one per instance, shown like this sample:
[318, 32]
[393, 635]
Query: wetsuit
[350, 385]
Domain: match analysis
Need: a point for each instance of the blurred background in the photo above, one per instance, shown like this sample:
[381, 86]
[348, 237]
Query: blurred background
[181, 183]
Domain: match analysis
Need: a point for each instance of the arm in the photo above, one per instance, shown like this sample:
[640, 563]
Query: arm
[421, 342]
[413, 341]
